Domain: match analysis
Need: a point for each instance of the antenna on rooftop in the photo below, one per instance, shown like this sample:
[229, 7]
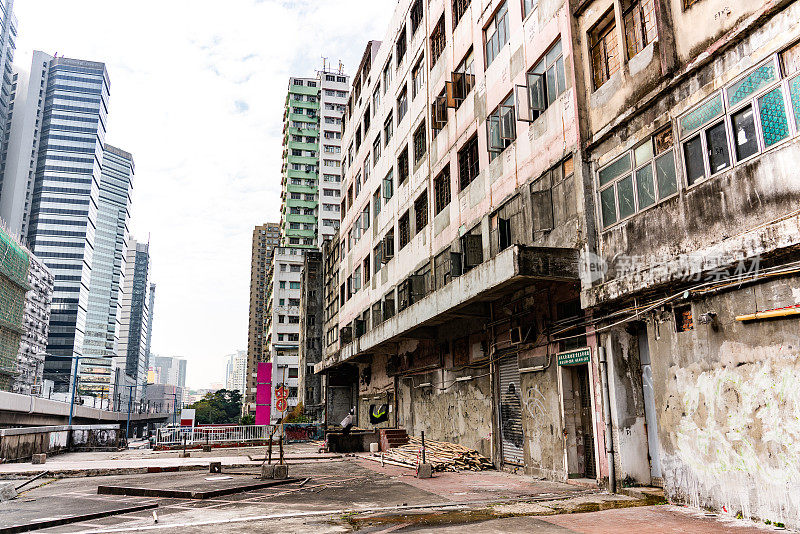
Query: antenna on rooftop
[341, 67]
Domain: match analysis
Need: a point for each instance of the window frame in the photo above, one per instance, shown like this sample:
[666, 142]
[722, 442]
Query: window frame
[502, 13]
[631, 173]
[605, 25]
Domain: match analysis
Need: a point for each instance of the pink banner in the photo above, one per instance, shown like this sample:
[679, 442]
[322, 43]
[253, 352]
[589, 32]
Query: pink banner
[263, 392]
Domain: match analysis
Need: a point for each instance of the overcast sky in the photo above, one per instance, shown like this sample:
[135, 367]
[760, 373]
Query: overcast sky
[197, 94]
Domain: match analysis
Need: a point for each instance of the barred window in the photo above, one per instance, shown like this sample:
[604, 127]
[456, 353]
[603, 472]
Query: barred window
[441, 189]
[438, 41]
[603, 49]
[403, 230]
[468, 162]
[402, 166]
[459, 8]
[421, 212]
[420, 143]
[639, 18]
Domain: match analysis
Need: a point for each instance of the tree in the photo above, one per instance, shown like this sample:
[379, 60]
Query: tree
[220, 407]
[247, 419]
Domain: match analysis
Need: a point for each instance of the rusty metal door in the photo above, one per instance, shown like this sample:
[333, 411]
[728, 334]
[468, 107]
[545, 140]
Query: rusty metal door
[586, 430]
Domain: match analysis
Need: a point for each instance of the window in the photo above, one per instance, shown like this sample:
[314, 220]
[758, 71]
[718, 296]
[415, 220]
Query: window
[387, 74]
[367, 117]
[282, 285]
[294, 285]
[401, 47]
[496, 33]
[281, 318]
[367, 270]
[439, 112]
[459, 8]
[468, 166]
[376, 203]
[638, 179]
[639, 18]
[528, 6]
[294, 319]
[420, 143]
[377, 254]
[421, 212]
[403, 230]
[463, 81]
[357, 279]
[441, 190]
[402, 104]
[688, 3]
[388, 130]
[388, 187]
[603, 49]
[501, 127]
[402, 166]
[417, 77]
[416, 16]
[376, 149]
[438, 41]
[546, 80]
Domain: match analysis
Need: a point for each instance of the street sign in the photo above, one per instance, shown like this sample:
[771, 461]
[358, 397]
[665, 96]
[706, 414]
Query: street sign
[575, 357]
[282, 392]
[187, 417]
[281, 405]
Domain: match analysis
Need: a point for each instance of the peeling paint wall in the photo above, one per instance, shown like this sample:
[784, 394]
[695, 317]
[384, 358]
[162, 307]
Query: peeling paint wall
[729, 405]
[459, 414]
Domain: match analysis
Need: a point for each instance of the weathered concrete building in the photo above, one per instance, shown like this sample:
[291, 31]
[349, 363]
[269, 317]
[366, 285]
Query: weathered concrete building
[310, 346]
[569, 240]
[690, 111]
[463, 218]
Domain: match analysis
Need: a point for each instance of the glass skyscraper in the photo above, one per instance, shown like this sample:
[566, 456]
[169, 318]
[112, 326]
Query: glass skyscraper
[101, 336]
[66, 196]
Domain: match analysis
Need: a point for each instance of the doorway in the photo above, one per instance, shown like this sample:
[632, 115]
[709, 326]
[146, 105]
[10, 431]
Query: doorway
[578, 426]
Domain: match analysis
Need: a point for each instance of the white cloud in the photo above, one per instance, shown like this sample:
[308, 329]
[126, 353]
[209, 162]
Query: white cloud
[197, 93]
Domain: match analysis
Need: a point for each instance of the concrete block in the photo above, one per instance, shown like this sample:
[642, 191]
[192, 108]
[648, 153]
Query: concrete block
[8, 491]
[215, 467]
[206, 448]
[186, 454]
[374, 447]
[39, 458]
[274, 471]
[425, 471]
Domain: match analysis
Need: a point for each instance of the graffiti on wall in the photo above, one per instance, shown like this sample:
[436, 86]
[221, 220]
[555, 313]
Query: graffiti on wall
[535, 402]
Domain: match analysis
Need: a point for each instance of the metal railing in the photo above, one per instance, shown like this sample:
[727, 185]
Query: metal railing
[212, 435]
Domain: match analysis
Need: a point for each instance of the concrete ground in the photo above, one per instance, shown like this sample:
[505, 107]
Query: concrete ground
[341, 494]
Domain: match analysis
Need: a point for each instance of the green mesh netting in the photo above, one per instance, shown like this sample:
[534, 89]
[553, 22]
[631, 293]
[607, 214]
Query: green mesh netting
[14, 262]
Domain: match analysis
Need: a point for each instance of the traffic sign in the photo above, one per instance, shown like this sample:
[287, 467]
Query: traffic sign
[281, 405]
[282, 392]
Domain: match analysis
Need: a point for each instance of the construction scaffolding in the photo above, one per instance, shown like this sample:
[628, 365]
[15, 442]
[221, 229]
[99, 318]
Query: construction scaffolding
[14, 265]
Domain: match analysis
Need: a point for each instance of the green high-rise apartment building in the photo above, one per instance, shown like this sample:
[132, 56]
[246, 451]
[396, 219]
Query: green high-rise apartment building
[311, 172]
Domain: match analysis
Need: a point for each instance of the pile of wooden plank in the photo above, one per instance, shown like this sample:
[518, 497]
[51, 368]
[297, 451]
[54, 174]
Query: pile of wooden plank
[443, 456]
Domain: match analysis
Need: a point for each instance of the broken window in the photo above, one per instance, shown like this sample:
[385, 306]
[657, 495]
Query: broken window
[496, 33]
[639, 18]
[570, 314]
[403, 230]
[468, 164]
[438, 41]
[603, 49]
[502, 127]
[420, 142]
[441, 190]
[683, 318]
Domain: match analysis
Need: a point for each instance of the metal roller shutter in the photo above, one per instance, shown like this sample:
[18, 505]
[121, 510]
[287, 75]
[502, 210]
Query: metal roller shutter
[511, 432]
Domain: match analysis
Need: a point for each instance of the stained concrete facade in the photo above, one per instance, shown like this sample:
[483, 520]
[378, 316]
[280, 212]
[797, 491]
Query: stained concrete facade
[311, 327]
[702, 398]
[607, 290]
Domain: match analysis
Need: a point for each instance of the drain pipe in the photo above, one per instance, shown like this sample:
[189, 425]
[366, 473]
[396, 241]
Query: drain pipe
[612, 479]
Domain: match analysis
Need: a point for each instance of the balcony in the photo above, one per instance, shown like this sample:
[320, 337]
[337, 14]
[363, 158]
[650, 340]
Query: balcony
[510, 270]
